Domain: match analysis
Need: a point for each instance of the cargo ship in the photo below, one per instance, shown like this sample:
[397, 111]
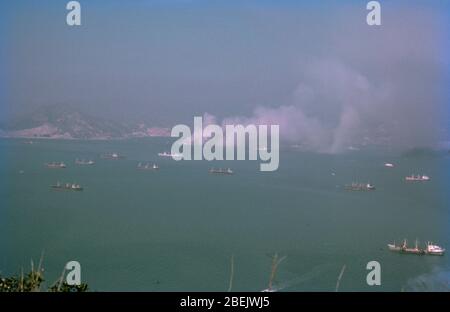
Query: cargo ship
[66, 187]
[84, 162]
[166, 154]
[56, 165]
[226, 171]
[360, 187]
[147, 167]
[430, 249]
[113, 156]
[417, 178]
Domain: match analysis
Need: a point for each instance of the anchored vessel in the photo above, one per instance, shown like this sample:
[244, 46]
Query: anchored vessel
[113, 156]
[417, 178]
[147, 166]
[84, 162]
[430, 249]
[166, 154]
[67, 187]
[56, 165]
[226, 171]
[360, 187]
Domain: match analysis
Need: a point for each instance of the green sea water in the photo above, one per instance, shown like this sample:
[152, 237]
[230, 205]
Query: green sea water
[176, 229]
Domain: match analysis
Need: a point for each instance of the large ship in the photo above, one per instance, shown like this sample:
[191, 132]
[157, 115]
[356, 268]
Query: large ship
[147, 166]
[226, 171]
[360, 187]
[430, 249]
[56, 165]
[417, 178]
[66, 187]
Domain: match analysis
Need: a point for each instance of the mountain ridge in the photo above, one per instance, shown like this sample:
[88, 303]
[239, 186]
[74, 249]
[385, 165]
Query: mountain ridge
[66, 122]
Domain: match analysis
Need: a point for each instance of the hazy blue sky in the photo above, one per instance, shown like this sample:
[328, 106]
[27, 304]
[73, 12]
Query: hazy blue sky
[318, 69]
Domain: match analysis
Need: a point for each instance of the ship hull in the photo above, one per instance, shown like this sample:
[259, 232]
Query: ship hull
[435, 253]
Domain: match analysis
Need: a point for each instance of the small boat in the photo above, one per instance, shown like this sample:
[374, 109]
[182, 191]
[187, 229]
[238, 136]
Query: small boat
[360, 187]
[417, 178]
[226, 171]
[66, 187]
[389, 165]
[56, 165]
[84, 162]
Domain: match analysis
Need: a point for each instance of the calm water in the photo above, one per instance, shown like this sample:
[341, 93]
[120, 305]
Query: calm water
[177, 228]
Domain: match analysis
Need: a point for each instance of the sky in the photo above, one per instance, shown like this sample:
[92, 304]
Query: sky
[314, 67]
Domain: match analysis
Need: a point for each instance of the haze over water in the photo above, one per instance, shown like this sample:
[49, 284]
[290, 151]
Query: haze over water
[352, 96]
[176, 228]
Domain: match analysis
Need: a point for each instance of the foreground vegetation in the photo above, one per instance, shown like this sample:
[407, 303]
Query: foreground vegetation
[32, 282]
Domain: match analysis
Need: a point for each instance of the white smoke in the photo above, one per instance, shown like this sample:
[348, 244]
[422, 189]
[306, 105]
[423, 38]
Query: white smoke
[327, 113]
[369, 86]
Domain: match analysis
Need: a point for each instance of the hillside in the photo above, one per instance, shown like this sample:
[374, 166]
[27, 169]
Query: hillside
[55, 121]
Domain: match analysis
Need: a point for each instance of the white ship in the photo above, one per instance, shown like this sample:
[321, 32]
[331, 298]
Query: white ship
[389, 165]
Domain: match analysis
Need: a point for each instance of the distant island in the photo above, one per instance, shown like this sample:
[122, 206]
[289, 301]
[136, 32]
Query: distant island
[58, 122]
